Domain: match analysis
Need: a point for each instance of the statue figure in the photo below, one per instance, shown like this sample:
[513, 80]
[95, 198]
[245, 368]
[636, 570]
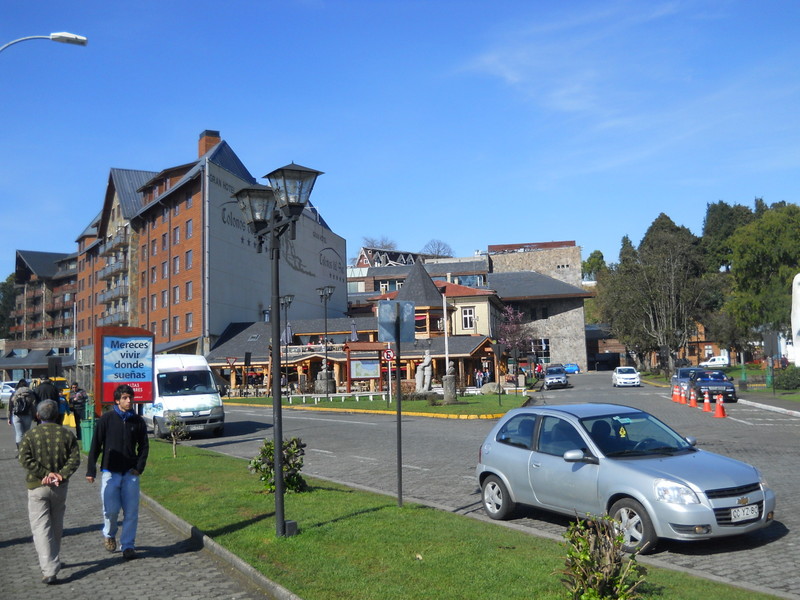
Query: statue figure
[424, 373]
[796, 318]
[451, 368]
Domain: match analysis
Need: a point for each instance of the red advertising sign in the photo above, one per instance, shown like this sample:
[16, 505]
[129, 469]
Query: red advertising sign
[123, 355]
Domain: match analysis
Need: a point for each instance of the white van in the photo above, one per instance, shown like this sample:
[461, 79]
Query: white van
[184, 386]
[715, 362]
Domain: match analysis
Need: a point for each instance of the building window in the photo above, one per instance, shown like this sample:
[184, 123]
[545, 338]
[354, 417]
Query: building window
[189, 322]
[144, 305]
[189, 228]
[188, 201]
[164, 270]
[144, 249]
[189, 290]
[153, 275]
[176, 236]
[176, 294]
[153, 327]
[544, 312]
[176, 265]
[188, 261]
[153, 304]
[153, 248]
[176, 321]
[164, 328]
[541, 348]
[164, 214]
[384, 287]
[144, 278]
[468, 317]
[164, 298]
[164, 242]
[176, 209]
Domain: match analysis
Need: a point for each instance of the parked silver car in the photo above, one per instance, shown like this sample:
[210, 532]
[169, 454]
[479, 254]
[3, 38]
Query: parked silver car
[555, 377]
[596, 459]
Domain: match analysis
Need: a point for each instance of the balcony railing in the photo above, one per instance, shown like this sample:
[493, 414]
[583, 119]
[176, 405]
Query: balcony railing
[115, 318]
[109, 270]
[121, 291]
[121, 239]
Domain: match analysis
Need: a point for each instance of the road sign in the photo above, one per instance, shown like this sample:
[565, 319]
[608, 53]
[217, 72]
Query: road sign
[388, 354]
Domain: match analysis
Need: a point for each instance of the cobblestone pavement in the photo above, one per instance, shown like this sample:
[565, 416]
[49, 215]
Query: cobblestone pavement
[171, 564]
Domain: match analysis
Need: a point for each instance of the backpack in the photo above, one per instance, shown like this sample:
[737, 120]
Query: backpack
[23, 402]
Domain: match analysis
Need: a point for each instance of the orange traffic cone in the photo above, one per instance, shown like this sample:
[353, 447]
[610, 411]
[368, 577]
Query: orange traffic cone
[676, 394]
[693, 399]
[719, 413]
[682, 398]
[706, 403]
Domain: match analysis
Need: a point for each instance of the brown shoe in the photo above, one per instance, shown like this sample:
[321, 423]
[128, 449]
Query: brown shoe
[110, 544]
[129, 554]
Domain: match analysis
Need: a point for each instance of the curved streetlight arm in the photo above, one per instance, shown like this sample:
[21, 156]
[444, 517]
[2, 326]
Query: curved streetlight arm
[62, 37]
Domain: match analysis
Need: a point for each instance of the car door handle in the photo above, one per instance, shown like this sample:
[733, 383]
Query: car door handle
[535, 465]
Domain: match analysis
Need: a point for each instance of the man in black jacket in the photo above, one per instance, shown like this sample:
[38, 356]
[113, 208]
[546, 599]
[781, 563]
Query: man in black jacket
[47, 391]
[121, 438]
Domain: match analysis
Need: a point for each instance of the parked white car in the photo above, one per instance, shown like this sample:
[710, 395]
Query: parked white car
[625, 376]
[6, 391]
[716, 362]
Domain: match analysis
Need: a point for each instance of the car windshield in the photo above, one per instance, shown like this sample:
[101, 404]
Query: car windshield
[184, 383]
[633, 434]
[555, 371]
[712, 376]
[626, 371]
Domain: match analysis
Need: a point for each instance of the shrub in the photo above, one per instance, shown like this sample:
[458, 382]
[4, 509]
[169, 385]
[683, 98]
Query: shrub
[176, 431]
[596, 566]
[788, 378]
[264, 464]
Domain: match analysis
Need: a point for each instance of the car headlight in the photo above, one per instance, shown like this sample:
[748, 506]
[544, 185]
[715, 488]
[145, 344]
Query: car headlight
[674, 493]
[217, 411]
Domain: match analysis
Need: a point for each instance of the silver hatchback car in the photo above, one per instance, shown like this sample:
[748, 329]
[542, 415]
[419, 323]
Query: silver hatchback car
[596, 459]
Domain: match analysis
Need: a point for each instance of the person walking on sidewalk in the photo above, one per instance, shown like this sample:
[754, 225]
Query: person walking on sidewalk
[77, 404]
[50, 455]
[22, 410]
[47, 391]
[121, 438]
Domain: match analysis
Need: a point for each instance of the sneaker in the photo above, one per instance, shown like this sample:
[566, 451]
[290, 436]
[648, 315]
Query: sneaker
[52, 580]
[129, 554]
[110, 544]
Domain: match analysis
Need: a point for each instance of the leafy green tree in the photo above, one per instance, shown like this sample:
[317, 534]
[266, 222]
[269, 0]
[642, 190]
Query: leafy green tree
[7, 299]
[593, 265]
[765, 258]
[655, 295]
[721, 221]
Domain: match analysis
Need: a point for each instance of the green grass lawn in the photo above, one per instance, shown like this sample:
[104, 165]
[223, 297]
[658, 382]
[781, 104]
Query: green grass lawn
[474, 406]
[355, 544]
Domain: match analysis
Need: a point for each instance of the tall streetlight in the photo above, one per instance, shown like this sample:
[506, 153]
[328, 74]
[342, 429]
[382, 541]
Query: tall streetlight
[62, 37]
[270, 211]
[325, 294]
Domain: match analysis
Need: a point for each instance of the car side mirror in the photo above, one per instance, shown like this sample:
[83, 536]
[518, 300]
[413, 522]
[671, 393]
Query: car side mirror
[578, 456]
[692, 441]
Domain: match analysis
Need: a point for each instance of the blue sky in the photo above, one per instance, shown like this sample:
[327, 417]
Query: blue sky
[472, 122]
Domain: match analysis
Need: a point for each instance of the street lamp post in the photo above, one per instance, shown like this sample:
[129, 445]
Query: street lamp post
[325, 294]
[62, 37]
[271, 211]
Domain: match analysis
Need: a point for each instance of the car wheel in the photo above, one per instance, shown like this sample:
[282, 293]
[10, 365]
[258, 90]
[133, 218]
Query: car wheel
[496, 500]
[638, 534]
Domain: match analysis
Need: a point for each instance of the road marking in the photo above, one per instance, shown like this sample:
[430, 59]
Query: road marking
[321, 451]
[331, 420]
[369, 458]
[742, 421]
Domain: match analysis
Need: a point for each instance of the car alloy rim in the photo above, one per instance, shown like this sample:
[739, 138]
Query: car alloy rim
[493, 499]
[630, 524]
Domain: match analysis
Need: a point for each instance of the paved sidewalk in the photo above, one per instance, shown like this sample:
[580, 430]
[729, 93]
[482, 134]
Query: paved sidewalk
[172, 563]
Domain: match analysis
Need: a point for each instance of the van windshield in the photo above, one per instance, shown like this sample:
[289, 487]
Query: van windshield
[185, 383]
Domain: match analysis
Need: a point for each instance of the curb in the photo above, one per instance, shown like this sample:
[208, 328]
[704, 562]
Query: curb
[276, 591]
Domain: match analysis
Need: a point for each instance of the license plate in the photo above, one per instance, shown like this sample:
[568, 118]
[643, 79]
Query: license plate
[743, 513]
[194, 427]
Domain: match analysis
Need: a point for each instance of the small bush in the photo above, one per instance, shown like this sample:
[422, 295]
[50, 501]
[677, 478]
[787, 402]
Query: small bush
[596, 566]
[788, 378]
[264, 465]
[176, 431]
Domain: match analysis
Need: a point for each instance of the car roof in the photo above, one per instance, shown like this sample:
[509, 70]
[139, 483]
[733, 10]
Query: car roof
[580, 411]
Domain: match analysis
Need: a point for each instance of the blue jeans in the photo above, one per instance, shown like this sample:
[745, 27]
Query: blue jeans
[22, 423]
[120, 491]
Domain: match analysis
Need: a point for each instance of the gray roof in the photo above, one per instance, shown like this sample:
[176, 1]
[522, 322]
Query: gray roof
[127, 183]
[419, 288]
[35, 359]
[458, 267]
[43, 264]
[531, 285]
[91, 228]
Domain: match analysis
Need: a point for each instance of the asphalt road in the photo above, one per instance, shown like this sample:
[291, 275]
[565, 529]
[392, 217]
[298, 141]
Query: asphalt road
[438, 458]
